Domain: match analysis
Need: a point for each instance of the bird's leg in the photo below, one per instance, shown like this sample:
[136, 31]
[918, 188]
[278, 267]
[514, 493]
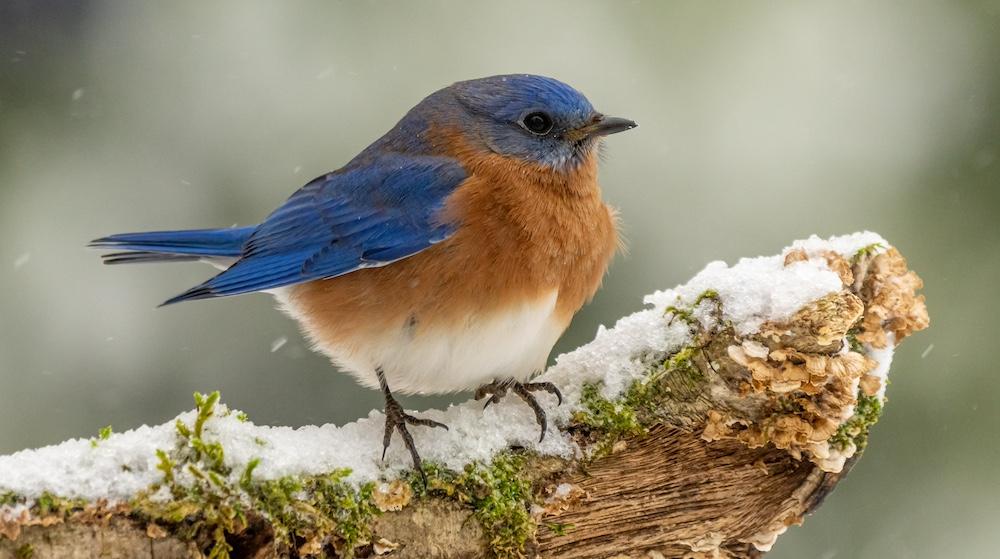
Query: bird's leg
[396, 419]
[499, 388]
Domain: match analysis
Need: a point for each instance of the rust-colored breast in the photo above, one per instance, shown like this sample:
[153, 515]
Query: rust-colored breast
[538, 229]
[524, 232]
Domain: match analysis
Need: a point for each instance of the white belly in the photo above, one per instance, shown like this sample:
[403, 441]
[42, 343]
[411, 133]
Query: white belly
[426, 360]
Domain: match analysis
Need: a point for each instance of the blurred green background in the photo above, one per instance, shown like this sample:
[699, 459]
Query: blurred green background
[760, 123]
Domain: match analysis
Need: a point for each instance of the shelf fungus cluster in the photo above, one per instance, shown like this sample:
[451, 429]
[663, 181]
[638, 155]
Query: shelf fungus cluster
[813, 378]
[700, 427]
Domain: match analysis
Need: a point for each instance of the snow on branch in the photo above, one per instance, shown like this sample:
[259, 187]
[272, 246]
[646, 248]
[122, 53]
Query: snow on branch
[701, 426]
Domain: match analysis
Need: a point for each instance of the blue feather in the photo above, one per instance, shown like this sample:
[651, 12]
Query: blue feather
[142, 257]
[368, 214]
[197, 242]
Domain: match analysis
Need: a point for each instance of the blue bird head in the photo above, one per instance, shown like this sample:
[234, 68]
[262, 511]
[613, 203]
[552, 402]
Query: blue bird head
[535, 118]
[532, 118]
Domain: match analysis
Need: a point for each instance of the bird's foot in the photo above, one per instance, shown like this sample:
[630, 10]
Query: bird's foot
[499, 388]
[396, 419]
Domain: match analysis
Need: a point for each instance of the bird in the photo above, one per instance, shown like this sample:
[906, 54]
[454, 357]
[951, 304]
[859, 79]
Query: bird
[449, 255]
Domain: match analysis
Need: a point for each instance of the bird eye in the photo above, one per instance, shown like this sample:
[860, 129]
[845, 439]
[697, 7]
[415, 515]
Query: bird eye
[537, 123]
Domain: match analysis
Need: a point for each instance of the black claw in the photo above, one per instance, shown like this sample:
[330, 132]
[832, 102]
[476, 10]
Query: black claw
[495, 389]
[494, 399]
[481, 392]
[396, 419]
[546, 386]
[498, 389]
[425, 422]
[387, 438]
[525, 393]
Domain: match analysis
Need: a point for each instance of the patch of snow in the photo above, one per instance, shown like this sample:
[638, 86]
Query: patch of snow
[615, 356]
[117, 468]
[884, 358]
[845, 245]
[757, 290]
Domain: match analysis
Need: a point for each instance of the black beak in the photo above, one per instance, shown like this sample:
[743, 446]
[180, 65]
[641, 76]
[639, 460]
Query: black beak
[602, 126]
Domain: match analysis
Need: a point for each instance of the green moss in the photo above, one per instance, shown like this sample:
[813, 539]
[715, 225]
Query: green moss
[102, 435]
[855, 430]
[46, 504]
[213, 508]
[687, 314]
[314, 507]
[559, 528]
[276, 501]
[612, 419]
[678, 378]
[499, 493]
[351, 510]
[866, 251]
[167, 466]
[9, 499]
[684, 314]
[246, 478]
[853, 343]
[503, 508]
[680, 364]
[206, 409]
[708, 294]
[209, 507]
[49, 504]
[868, 409]
[26, 551]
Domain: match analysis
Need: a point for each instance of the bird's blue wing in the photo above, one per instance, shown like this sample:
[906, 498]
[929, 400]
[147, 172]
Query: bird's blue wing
[364, 216]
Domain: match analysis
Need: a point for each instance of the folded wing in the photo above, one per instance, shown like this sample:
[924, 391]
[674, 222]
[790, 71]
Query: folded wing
[361, 217]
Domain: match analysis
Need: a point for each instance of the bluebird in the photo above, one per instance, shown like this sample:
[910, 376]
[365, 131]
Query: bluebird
[448, 255]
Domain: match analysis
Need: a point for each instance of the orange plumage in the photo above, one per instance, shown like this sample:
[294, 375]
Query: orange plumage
[526, 231]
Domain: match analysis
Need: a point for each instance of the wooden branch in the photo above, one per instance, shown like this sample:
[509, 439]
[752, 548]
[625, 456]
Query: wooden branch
[734, 443]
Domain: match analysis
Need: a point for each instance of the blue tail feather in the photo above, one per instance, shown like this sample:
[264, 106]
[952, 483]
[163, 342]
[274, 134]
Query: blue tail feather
[144, 257]
[175, 245]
